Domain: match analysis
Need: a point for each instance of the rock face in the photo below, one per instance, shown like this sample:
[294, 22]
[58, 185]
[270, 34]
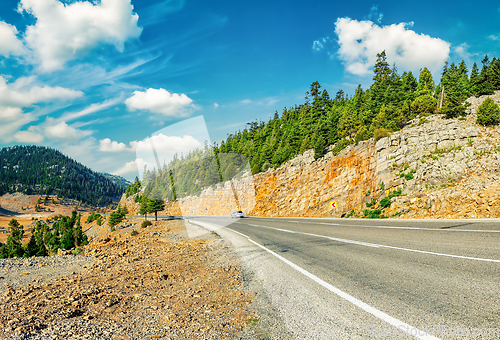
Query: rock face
[444, 168]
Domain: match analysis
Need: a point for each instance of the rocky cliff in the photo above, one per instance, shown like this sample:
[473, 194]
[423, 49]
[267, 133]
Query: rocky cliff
[432, 168]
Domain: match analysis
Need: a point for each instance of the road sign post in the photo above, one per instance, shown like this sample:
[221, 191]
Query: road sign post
[333, 206]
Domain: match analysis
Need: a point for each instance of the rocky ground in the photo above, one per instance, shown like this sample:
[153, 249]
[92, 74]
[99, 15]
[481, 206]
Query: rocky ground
[157, 284]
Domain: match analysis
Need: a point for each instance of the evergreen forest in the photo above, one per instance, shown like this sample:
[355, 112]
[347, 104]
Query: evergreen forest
[65, 233]
[44, 171]
[389, 104]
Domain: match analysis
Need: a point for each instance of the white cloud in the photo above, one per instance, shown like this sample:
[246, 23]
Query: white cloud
[9, 44]
[128, 168]
[92, 108]
[65, 32]
[10, 125]
[160, 149]
[106, 145]
[462, 51]
[162, 102]
[25, 92]
[375, 14]
[28, 137]
[246, 101]
[22, 93]
[360, 41]
[216, 105]
[319, 44]
[62, 131]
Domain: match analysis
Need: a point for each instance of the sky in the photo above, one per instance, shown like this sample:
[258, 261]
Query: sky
[101, 80]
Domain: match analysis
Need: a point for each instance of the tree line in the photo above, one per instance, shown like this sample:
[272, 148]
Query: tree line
[386, 106]
[65, 233]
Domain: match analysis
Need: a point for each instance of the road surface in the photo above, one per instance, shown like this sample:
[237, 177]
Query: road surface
[373, 279]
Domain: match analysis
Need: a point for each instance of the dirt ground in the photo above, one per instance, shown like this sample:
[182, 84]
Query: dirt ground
[157, 284]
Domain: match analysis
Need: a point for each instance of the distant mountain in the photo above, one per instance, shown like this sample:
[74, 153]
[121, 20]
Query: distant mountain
[122, 182]
[45, 171]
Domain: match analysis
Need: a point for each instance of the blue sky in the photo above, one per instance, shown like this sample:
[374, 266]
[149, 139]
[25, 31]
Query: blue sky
[95, 78]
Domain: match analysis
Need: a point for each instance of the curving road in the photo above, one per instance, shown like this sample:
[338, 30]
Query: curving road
[373, 279]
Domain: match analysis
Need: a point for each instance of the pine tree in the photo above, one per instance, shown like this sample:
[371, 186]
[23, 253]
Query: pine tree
[156, 205]
[31, 248]
[143, 210]
[13, 247]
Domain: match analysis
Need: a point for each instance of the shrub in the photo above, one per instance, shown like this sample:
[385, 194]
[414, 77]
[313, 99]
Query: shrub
[488, 113]
[145, 224]
[424, 104]
[380, 133]
[372, 213]
[373, 202]
[361, 135]
[134, 233]
[79, 251]
[385, 202]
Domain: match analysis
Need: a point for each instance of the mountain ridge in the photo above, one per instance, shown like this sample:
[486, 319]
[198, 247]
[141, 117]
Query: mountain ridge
[46, 171]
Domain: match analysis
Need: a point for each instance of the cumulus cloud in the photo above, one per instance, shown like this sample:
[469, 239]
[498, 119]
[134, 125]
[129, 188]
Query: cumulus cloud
[128, 168]
[107, 145]
[162, 102]
[28, 137]
[360, 41]
[157, 150]
[63, 131]
[9, 44]
[25, 92]
[22, 93]
[65, 32]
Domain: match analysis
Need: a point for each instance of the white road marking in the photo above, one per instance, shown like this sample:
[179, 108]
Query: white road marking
[360, 304]
[374, 245]
[386, 227]
[411, 228]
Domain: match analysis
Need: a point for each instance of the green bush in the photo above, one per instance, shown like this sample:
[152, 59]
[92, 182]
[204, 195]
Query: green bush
[488, 113]
[424, 104]
[380, 133]
[385, 202]
[145, 224]
[134, 233]
[362, 135]
[372, 213]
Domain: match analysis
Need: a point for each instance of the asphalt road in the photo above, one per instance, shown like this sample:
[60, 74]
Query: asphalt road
[371, 279]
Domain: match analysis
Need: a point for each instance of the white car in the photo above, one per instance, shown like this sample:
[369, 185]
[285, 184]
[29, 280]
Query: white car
[238, 214]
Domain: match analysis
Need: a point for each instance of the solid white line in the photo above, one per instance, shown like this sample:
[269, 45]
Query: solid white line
[372, 310]
[374, 245]
[411, 228]
[364, 306]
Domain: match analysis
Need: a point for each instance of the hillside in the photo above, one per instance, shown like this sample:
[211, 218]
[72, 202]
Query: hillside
[390, 104]
[441, 168]
[118, 180]
[45, 171]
